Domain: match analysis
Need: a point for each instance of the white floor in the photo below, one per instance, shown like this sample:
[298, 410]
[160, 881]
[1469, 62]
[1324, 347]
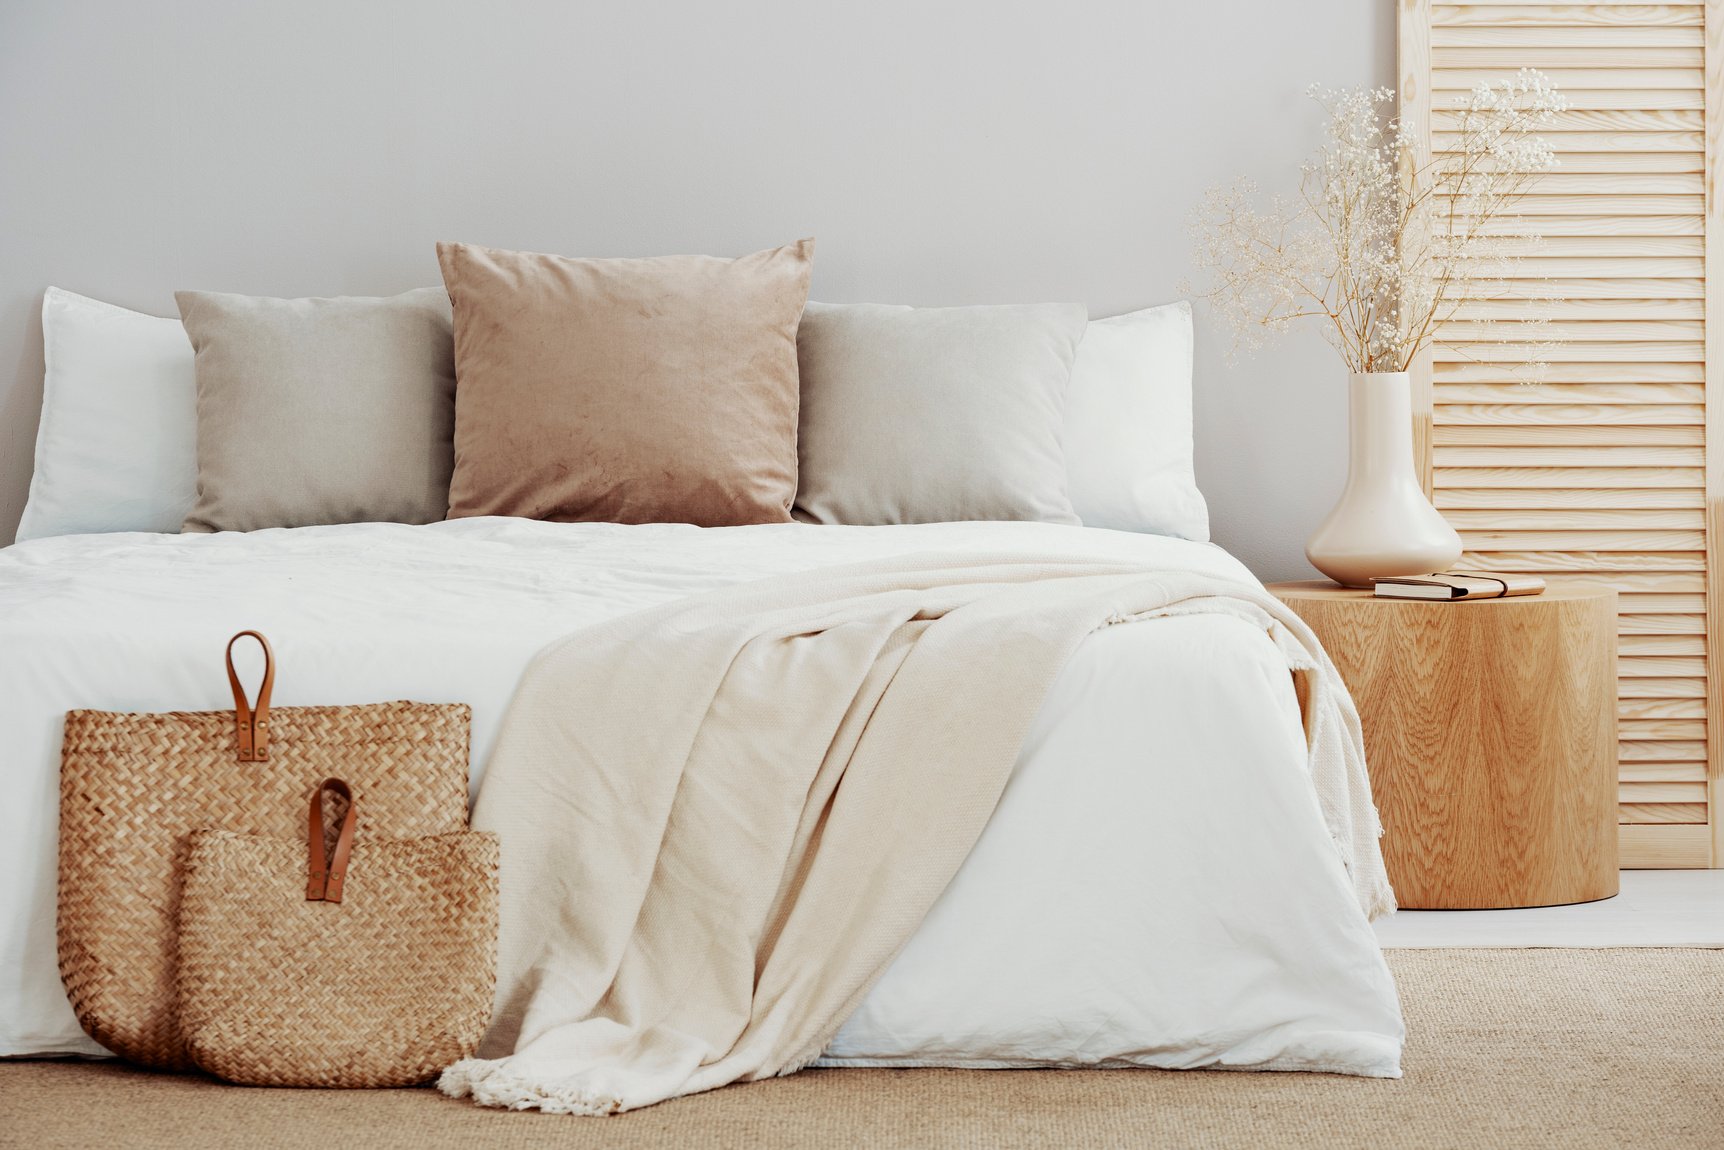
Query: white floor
[1655, 908]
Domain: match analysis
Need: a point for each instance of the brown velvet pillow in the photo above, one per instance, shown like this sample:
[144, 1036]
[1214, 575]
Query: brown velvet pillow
[626, 391]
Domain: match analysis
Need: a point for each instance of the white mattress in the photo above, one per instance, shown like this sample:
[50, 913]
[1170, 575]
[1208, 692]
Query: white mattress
[1156, 887]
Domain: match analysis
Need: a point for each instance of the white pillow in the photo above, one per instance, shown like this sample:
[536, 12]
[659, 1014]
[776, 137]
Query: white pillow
[1128, 425]
[933, 415]
[117, 445]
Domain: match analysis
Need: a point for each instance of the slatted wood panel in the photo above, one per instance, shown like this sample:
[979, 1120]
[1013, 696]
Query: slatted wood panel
[1610, 469]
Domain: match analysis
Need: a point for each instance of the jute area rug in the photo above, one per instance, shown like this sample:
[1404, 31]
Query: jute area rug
[1508, 1048]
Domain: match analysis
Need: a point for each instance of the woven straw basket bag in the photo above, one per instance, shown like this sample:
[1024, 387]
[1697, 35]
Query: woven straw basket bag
[373, 967]
[134, 786]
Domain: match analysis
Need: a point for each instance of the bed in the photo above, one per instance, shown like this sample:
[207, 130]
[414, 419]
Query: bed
[1157, 886]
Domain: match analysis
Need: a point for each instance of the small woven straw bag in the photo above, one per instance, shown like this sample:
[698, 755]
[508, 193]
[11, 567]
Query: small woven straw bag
[134, 786]
[373, 966]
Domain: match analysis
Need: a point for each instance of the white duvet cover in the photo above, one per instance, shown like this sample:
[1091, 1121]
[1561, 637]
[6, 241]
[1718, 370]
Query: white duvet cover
[1156, 888]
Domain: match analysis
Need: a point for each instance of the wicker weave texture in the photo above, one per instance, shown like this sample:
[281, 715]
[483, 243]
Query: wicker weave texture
[133, 786]
[385, 988]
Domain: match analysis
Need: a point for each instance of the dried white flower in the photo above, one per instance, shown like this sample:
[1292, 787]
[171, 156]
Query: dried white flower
[1379, 246]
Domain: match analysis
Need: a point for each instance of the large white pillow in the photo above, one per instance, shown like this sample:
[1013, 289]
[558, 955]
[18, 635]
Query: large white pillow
[1128, 425]
[117, 446]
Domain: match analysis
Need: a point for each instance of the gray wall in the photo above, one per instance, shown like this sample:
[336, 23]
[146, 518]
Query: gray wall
[942, 152]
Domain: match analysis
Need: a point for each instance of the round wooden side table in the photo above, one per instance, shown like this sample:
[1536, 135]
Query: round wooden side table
[1490, 734]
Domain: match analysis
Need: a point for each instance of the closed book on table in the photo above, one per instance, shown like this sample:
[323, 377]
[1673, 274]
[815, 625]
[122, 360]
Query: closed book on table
[1472, 585]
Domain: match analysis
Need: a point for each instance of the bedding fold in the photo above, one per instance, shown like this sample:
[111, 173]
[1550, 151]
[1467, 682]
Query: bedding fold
[722, 818]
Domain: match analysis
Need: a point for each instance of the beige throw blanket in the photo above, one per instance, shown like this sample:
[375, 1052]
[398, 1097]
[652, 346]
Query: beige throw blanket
[722, 819]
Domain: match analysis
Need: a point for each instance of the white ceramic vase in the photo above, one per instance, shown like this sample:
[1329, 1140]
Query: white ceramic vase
[1383, 525]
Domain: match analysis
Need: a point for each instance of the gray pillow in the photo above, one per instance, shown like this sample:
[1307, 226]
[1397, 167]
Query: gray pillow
[321, 410]
[929, 415]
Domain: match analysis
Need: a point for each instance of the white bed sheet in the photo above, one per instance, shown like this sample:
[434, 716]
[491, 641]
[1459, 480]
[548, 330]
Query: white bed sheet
[1156, 888]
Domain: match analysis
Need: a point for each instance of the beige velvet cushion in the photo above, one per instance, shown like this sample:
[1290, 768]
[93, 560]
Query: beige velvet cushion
[321, 410]
[626, 391]
[928, 415]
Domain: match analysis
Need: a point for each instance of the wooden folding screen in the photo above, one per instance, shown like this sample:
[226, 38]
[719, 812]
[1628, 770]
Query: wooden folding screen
[1612, 469]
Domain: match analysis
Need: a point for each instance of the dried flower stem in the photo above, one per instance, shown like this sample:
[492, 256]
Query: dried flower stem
[1381, 246]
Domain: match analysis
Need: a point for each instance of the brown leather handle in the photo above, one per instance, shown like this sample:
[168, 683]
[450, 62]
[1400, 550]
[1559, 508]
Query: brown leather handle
[329, 875]
[252, 723]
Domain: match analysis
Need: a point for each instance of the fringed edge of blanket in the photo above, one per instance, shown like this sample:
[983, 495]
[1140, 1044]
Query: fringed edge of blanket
[487, 1084]
[1379, 902]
